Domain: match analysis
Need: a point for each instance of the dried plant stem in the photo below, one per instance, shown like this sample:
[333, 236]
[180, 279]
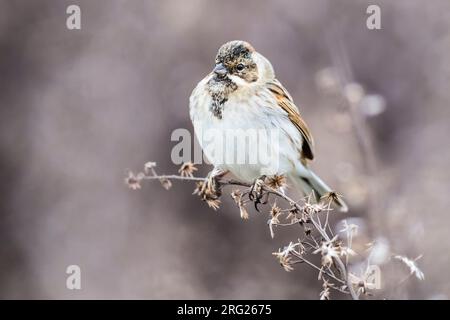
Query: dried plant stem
[318, 269]
[316, 223]
[173, 177]
[323, 233]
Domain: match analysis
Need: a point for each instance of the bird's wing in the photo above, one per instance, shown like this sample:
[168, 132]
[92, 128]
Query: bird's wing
[285, 101]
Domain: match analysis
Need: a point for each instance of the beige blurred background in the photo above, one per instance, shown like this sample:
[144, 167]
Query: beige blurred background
[78, 108]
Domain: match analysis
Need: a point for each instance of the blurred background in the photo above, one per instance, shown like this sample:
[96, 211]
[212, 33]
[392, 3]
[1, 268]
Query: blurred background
[80, 107]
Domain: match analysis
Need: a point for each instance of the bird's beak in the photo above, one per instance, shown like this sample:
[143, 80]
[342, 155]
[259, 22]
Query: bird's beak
[220, 70]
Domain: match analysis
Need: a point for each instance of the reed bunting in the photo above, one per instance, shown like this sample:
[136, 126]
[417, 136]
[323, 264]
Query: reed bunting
[242, 95]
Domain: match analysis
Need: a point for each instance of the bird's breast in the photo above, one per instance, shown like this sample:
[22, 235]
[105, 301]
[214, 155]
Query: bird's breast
[250, 135]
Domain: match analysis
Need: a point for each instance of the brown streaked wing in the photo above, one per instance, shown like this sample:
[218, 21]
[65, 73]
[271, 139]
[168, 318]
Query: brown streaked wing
[285, 101]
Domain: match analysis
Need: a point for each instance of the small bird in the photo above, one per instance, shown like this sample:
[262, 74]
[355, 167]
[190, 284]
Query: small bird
[241, 98]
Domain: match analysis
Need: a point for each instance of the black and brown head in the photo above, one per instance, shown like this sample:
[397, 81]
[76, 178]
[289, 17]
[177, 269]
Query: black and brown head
[235, 58]
[237, 66]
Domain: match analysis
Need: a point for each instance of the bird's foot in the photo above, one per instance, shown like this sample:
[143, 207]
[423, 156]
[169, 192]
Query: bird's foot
[256, 192]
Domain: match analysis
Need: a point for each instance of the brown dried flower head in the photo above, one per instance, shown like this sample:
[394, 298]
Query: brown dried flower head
[187, 169]
[276, 181]
[329, 251]
[198, 187]
[243, 212]
[207, 194]
[134, 181]
[312, 208]
[275, 211]
[331, 196]
[213, 203]
[237, 197]
[325, 294]
[166, 183]
[149, 168]
[284, 260]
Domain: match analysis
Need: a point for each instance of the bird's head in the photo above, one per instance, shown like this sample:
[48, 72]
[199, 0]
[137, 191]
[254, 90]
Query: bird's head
[239, 62]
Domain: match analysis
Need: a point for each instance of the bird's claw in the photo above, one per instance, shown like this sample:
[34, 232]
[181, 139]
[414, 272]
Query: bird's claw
[256, 192]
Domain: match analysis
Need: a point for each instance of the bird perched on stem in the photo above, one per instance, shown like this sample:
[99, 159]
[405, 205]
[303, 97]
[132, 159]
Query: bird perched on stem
[247, 123]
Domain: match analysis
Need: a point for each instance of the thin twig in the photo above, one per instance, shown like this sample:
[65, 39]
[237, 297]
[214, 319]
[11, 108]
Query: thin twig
[318, 226]
[317, 268]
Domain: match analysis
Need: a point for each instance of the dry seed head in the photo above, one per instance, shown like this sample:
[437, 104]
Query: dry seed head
[133, 181]
[276, 181]
[187, 169]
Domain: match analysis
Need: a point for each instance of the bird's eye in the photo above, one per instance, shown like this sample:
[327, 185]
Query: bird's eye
[240, 67]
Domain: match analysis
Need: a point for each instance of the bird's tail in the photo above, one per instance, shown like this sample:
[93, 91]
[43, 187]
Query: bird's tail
[309, 183]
